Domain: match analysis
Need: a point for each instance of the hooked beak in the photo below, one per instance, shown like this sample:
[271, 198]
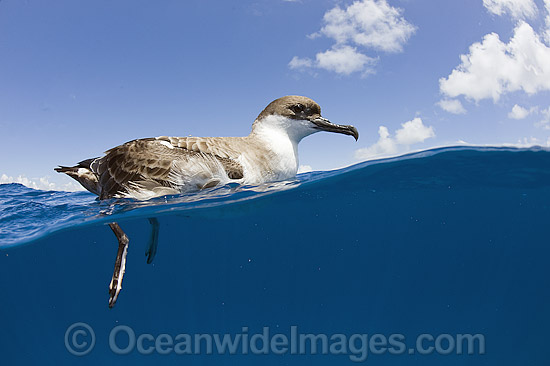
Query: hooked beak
[324, 124]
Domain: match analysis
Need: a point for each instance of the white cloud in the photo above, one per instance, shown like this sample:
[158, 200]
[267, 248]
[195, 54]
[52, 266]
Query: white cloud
[527, 142]
[545, 121]
[40, 183]
[515, 8]
[521, 143]
[452, 106]
[493, 68]
[344, 60]
[547, 21]
[299, 63]
[411, 132]
[518, 112]
[371, 24]
[385, 146]
[368, 23]
[304, 169]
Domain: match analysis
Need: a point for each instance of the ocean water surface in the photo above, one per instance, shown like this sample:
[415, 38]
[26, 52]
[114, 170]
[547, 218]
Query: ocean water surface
[388, 262]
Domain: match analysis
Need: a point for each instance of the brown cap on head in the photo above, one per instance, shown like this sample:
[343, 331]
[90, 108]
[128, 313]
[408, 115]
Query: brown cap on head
[286, 106]
[303, 108]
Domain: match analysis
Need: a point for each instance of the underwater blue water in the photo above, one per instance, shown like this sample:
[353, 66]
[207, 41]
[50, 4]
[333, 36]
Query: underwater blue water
[443, 242]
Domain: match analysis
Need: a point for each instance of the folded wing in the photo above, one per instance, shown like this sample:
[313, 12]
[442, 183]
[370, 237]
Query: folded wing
[157, 166]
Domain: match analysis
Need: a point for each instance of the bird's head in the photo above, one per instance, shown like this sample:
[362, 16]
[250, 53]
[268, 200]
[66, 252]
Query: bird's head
[299, 117]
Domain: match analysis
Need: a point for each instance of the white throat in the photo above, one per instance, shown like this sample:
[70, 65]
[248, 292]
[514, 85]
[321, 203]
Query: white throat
[281, 136]
[293, 130]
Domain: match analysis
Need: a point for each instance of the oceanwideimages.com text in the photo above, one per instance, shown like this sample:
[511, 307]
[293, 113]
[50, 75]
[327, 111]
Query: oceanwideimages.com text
[80, 340]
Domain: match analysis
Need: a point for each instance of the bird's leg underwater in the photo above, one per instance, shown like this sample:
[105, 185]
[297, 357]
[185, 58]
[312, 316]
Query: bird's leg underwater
[153, 241]
[120, 263]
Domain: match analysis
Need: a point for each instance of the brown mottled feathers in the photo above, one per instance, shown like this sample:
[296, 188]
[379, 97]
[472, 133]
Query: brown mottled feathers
[151, 159]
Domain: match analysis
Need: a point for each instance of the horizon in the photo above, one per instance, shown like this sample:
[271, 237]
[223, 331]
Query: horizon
[78, 79]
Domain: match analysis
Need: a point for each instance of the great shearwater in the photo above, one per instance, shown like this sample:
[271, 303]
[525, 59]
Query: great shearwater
[158, 166]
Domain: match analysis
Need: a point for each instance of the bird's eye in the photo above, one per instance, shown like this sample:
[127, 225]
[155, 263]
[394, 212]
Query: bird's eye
[297, 108]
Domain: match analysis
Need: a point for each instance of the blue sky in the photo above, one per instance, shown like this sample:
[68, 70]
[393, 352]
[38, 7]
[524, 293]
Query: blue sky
[77, 78]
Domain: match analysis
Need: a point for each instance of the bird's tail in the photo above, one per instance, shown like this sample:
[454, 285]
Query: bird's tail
[83, 174]
[66, 169]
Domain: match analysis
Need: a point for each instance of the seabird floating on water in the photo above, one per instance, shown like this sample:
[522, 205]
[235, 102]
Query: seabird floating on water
[152, 167]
